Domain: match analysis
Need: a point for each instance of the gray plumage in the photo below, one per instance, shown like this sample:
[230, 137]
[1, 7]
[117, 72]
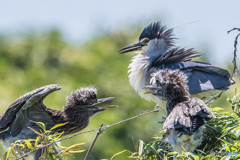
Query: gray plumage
[29, 108]
[186, 116]
[159, 52]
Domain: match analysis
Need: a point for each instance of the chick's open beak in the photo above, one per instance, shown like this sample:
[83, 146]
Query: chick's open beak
[151, 89]
[102, 100]
[101, 108]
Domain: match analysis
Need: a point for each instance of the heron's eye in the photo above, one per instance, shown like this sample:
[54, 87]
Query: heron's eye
[145, 41]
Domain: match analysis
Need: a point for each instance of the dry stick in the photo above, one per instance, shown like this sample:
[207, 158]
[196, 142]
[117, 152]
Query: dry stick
[103, 128]
[234, 61]
[235, 51]
[94, 140]
[233, 30]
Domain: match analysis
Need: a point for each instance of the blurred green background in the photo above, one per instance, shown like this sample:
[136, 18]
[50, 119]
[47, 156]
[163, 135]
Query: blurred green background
[31, 59]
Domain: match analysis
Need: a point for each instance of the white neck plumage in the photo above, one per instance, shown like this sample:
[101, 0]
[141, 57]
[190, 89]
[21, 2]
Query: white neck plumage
[140, 67]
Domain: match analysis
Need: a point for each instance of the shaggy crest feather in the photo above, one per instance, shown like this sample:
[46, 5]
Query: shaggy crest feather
[156, 30]
[82, 96]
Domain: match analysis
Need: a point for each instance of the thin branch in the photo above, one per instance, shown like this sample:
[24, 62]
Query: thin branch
[214, 98]
[94, 140]
[140, 115]
[234, 61]
[238, 29]
[235, 51]
[103, 128]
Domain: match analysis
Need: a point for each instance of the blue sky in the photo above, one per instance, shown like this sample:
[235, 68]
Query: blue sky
[79, 20]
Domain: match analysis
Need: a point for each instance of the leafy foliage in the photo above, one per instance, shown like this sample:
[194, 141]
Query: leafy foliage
[45, 137]
[221, 139]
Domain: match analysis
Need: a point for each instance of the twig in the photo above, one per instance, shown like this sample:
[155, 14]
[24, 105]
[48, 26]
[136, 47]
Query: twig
[234, 61]
[94, 140]
[103, 128]
[214, 98]
[235, 51]
[233, 30]
[141, 114]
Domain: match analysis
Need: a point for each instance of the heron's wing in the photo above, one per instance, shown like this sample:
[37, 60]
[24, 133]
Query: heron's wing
[201, 76]
[202, 79]
[14, 117]
[179, 118]
[199, 109]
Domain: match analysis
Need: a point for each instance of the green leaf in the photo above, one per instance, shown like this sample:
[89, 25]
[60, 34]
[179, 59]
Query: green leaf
[36, 142]
[58, 125]
[227, 148]
[8, 153]
[76, 151]
[118, 154]
[58, 136]
[29, 145]
[216, 109]
[41, 125]
[173, 153]
[72, 146]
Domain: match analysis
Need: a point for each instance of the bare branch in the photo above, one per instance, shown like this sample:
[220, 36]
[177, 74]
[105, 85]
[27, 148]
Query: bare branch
[103, 128]
[234, 61]
[235, 51]
[233, 30]
[214, 98]
[94, 140]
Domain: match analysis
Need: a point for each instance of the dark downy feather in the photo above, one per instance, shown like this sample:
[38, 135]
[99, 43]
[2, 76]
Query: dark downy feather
[82, 96]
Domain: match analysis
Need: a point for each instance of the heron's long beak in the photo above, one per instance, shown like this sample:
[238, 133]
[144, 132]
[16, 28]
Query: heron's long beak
[132, 47]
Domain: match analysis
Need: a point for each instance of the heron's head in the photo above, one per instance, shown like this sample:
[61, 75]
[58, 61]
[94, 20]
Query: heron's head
[85, 100]
[154, 39]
